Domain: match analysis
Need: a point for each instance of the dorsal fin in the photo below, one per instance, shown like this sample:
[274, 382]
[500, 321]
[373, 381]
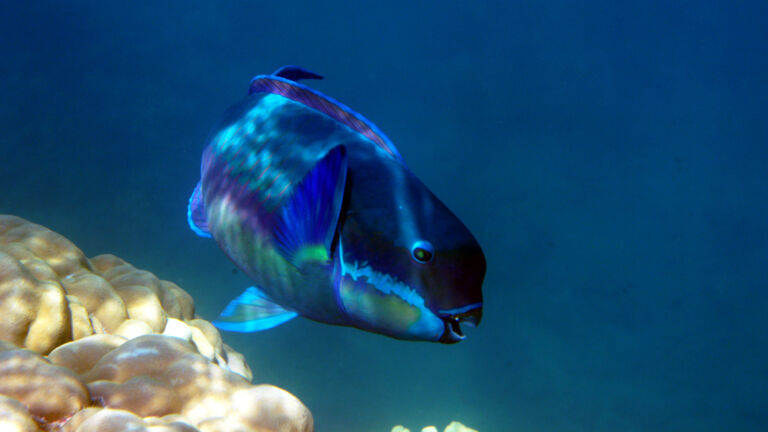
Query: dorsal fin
[295, 73]
[336, 110]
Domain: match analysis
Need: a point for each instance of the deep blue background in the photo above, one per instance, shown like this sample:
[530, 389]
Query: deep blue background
[612, 159]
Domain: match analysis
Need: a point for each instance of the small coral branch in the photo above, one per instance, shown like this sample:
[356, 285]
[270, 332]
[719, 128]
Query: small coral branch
[454, 426]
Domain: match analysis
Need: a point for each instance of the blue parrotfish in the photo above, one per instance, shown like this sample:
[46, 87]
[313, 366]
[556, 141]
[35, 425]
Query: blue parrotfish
[317, 206]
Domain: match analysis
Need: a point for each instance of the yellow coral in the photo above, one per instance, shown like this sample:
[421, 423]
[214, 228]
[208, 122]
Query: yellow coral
[124, 349]
[14, 416]
[50, 293]
[49, 392]
[454, 426]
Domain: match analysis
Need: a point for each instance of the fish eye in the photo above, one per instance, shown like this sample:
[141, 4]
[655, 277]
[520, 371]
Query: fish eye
[422, 251]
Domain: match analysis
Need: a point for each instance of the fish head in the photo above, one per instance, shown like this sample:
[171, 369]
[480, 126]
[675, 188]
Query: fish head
[408, 267]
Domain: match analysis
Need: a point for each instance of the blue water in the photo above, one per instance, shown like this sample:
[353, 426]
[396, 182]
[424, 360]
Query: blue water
[611, 158]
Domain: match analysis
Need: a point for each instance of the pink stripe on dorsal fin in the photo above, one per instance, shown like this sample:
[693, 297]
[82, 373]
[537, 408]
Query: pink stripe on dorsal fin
[326, 105]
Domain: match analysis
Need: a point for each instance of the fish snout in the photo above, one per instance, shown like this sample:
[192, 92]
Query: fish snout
[470, 315]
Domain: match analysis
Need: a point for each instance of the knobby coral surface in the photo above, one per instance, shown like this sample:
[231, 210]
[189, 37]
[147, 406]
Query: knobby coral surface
[98, 345]
[454, 426]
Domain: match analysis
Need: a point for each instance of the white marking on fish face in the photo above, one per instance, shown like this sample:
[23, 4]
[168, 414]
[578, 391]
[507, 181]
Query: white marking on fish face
[384, 283]
[381, 303]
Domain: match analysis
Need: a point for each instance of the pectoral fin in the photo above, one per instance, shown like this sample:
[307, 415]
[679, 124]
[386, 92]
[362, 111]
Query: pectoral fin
[306, 223]
[252, 311]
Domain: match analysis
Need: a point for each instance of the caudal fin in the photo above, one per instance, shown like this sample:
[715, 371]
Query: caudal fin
[196, 213]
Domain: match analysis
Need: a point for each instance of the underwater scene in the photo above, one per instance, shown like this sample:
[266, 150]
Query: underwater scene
[520, 216]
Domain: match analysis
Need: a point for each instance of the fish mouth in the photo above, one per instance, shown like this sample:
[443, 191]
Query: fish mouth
[470, 315]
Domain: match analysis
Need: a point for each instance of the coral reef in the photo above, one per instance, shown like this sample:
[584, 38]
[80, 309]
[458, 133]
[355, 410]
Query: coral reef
[98, 345]
[454, 426]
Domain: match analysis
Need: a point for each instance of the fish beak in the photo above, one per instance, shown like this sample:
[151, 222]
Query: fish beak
[452, 333]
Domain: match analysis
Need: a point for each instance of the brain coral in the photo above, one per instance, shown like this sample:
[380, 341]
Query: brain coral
[98, 345]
